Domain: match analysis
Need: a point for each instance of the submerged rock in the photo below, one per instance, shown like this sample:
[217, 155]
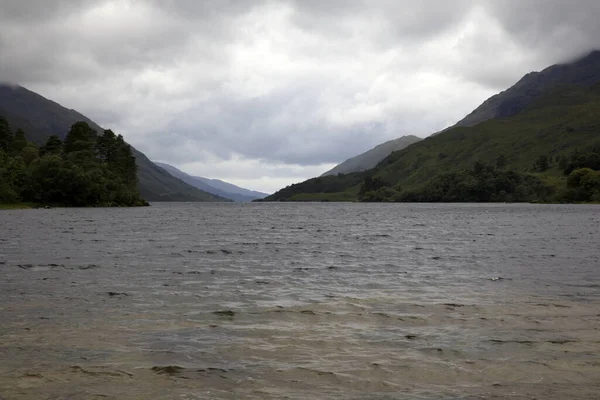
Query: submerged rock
[168, 369]
[225, 313]
[112, 294]
[454, 305]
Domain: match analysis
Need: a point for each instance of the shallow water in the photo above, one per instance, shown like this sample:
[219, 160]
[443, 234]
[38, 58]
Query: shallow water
[301, 301]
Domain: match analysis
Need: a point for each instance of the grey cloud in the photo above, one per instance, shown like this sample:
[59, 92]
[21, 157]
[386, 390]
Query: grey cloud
[35, 10]
[58, 40]
[298, 83]
[251, 128]
[396, 21]
[570, 27]
[533, 35]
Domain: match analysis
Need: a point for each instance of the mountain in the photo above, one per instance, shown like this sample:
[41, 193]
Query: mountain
[529, 138]
[214, 186]
[371, 158]
[231, 189]
[583, 72]
[40, 118]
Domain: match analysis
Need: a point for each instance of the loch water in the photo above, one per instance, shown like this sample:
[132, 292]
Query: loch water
[301, 301]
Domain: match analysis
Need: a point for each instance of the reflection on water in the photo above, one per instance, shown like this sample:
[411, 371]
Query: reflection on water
[297, 301]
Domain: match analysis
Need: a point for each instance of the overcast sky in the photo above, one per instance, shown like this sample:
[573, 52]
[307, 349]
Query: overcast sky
[267, 93]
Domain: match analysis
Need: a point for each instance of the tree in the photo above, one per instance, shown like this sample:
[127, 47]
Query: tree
[584, 184]
[7, 193]
[80, 143]
[15, 174]
[563, 162]
[86, 170]
[372, 184]
[501, 161]
[53, 146]
[541, 164]
[478, 167]
[6, 136]
[116, 153]
[375, 189]
[125, 162]
[106, 146]
[19, 141]
[29, 153]
[587, 159]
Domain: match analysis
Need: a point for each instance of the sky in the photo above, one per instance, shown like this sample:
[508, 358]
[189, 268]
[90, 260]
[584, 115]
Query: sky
[267, 93]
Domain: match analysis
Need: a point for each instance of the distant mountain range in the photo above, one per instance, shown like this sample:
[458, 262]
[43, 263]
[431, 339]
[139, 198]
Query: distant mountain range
[40, 118]
[371, 158]
[519, 145]
[214, 186]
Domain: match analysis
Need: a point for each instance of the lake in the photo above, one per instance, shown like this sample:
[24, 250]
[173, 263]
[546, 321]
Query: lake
[301, 301]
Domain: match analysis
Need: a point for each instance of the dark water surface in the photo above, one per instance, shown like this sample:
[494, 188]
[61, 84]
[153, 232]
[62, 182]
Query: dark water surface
[301, 301]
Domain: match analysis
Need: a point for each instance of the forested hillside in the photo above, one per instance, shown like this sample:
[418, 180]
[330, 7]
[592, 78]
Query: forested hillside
[548, 152]
[86, 169]
[40, 117]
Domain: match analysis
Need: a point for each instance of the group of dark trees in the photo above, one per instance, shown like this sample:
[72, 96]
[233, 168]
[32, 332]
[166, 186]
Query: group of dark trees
[482, 183]
[84, 170]
[489, 183]
[583, 176]
[569, 163]
[581, 159]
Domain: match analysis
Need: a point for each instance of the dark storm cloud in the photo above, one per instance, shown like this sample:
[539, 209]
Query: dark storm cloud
[281, 86]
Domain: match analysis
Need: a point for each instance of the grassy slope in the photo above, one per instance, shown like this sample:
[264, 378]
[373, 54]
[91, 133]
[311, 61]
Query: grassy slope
[583, 72]
[372, 157]
[563, 120]
[324, 188]
[559, 122]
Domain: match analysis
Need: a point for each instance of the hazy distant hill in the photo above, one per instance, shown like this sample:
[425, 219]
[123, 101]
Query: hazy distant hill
[233, 189]
[40, 118]
[530, 135]
[214, 186]
[371, 158]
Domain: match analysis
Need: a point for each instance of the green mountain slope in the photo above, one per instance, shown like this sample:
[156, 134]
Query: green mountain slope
[371, 158]
[40, 118]
[560, 122]
[551, 100]
[583, 72]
